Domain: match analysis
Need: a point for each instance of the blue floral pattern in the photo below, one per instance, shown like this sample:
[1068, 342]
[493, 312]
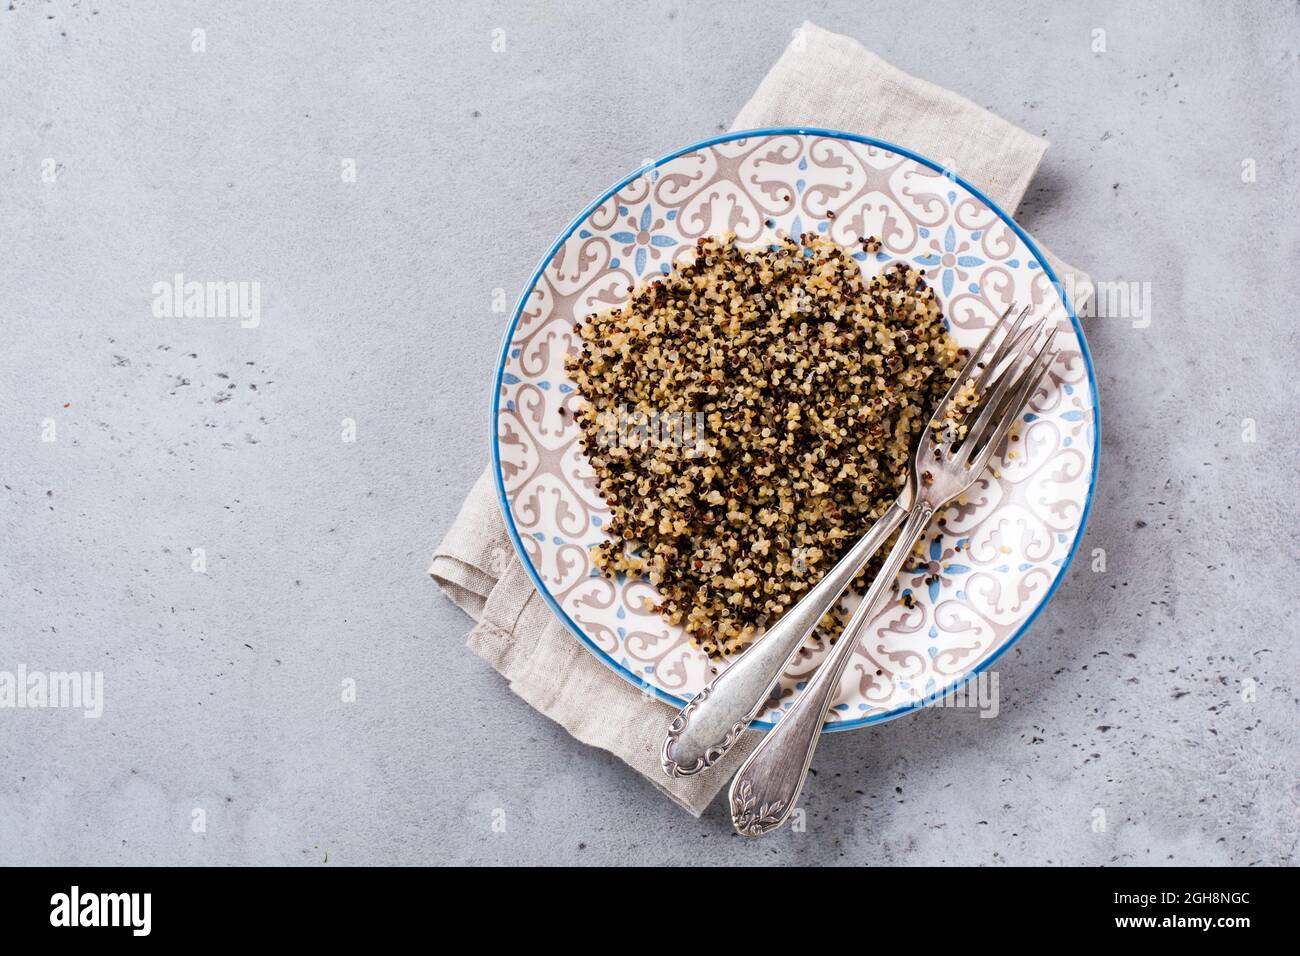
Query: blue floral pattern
[952, 259]
[644, 240]
[940, 569]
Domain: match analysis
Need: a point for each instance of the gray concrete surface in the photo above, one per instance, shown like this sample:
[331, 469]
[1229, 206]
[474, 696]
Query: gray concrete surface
[1158, 695]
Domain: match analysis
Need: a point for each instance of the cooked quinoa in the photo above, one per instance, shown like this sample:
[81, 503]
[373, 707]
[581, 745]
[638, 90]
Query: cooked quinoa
[748, 416]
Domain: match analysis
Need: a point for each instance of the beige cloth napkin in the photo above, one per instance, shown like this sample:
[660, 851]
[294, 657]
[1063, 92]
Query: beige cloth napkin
[823, 79]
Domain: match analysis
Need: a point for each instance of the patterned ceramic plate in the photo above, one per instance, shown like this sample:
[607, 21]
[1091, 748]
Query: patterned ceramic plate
[1003, 551]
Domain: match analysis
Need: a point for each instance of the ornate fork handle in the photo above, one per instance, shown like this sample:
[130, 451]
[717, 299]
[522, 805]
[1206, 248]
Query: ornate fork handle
[712, 722]
[764, 791]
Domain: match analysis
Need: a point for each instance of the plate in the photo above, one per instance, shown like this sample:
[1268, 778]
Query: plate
[1004, 548]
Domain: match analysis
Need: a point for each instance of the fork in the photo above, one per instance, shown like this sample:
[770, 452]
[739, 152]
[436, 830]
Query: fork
[713, 720]
[767, 786]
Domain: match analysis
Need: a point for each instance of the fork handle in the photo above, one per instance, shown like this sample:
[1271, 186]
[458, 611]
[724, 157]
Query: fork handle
[764, 792]
[713, 720]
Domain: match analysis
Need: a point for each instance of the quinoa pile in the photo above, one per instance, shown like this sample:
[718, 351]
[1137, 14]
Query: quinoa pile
[748, 416]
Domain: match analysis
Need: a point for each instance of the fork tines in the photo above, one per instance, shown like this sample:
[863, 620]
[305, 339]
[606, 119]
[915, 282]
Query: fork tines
[1006, 368]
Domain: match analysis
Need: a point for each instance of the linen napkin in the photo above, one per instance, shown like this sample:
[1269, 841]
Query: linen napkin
[822, 79]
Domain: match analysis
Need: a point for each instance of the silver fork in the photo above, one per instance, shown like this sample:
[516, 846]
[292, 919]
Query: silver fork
[764, 791]
[713, 720]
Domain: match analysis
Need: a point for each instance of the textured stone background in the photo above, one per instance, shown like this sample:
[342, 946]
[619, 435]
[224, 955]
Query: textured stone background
[223, 689]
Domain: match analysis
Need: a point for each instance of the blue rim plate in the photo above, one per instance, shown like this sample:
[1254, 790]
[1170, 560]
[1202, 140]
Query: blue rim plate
[652, 170]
